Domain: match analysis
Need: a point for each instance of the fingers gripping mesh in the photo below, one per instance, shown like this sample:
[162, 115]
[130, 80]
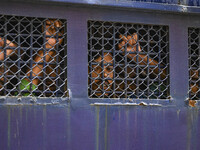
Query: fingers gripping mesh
[128, 60]
[33, 57]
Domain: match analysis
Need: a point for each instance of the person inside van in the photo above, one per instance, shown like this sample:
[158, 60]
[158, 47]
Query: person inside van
[52, 30]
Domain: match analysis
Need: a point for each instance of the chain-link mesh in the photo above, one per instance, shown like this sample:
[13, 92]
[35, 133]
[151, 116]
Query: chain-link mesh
[194, 63]
[128, 60]
[33, 59]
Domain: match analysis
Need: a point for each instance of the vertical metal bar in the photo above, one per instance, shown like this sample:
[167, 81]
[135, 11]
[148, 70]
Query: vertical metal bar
[65, 58]
[137, 76]
[77, 50]
[56, 50]
[102, 60]
[114, 69]
[148, 65]
[168, 65]
[89, 52]
[198, 34]
[4, 50]
[178, 65]
[159, 60]
[125, 67]
[189, 59]
[18, 50]
[44, 57]
[31, 53]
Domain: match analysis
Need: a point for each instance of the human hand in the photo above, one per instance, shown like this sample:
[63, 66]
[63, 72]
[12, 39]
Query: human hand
[130, 41]
[52, 28]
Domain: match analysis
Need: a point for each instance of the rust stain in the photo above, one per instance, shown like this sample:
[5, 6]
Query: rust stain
[142, 104]
[192, 103]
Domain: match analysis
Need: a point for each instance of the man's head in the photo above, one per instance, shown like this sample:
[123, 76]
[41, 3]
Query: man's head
[102, 74]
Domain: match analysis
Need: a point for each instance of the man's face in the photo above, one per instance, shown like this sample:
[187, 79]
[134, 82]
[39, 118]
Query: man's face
[102, 74]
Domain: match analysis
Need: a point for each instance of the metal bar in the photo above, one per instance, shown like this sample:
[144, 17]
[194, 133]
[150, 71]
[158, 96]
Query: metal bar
[4, 65]
[125, 64]
[114, 61]
[178, 65]
[77, 50]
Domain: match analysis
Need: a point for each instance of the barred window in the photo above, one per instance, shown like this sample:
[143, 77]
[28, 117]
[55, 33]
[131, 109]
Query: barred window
[128, 60]
[33, 56]
[194, 63]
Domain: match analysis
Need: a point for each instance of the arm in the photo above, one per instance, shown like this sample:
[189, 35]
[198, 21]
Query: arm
[8, 51]
[50, 30]
[131, 41]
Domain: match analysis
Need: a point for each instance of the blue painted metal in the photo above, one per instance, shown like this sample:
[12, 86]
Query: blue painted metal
[98, 128]
[178, 2]
[180, 6]
[76, 124]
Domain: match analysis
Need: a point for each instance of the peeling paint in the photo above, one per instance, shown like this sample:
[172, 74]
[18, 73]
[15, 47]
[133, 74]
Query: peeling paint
[70, 93]
[178, 113]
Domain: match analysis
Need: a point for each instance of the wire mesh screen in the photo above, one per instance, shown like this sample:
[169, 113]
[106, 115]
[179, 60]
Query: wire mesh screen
[194, 63]
[128, 60]
[33, 59]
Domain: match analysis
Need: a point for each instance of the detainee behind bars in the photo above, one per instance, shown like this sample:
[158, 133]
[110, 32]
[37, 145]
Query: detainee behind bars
[52, 34]
[31, 81]
[102, 71]
[7, 49]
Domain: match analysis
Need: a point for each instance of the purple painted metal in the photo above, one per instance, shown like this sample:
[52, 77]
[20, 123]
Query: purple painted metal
[77, 124]
[99, 128]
